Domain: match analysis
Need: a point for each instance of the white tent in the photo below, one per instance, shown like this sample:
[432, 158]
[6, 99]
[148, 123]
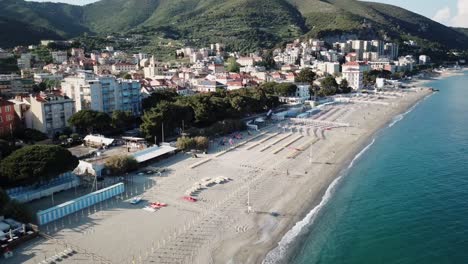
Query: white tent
[98, 140]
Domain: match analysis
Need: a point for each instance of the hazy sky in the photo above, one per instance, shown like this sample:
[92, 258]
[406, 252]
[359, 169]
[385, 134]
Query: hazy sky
[448, 12]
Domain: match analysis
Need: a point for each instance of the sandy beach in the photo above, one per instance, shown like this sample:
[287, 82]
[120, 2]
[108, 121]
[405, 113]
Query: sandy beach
[281, 171]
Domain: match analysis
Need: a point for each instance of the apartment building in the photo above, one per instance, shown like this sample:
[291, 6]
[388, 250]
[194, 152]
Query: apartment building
[49, 113]
[103, 93]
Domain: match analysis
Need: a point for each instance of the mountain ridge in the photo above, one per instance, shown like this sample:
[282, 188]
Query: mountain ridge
[241, 24]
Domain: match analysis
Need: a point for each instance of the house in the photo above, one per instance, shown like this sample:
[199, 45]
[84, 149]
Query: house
[216, 68]
[123, 67]
[206, 86]
[4, 54]
[330, 68]
[21, 106]
[424, 59]
[234, 85]
[49, 113]
[153, 69]
[41, 77]
[76, 52]
[291, 77]
[246, 61]
[14, 84]
[351, 57]
[7, 117]
[59, 57]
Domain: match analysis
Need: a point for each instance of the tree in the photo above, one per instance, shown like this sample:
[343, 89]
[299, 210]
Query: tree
[268, 87]
[267, 60]
[30, 135]
[370, 77]
[89, 121]
[18, 211]
[127, 76]
[14, 209]
[122, 119]
[344, 86]
[158, 97]
[118, 165]
[37, 163]
[329, 86]
[232, 65]
[4, 199]
[285, 89]
[306, 76]
[75, 137]
[41, 87]
[169, 115]
[5, 148]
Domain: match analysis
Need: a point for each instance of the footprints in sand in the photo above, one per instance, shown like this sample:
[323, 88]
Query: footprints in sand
[242, 229]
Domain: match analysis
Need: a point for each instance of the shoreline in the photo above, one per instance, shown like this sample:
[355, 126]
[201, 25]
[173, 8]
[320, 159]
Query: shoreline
[258, 253]
[282, 171]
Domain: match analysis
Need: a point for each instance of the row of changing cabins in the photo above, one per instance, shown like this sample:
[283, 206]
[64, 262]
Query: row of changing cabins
[78, 204]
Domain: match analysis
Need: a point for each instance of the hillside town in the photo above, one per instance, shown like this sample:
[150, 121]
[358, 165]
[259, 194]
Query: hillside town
[108, 80]
[86, 128]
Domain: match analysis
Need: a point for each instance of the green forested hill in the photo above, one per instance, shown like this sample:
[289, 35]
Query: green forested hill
[241, 24]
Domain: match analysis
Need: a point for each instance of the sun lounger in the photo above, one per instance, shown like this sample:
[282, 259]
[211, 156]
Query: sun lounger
[149, 209]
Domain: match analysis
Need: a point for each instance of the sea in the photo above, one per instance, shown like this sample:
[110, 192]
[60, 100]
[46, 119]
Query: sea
[404, 198]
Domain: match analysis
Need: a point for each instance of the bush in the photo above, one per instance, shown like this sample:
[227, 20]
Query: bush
[201, 143]
[75, 136]
[185, 143]
[121, 164]
[188, 143]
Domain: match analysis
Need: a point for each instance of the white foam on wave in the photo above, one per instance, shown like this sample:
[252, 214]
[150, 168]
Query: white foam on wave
[400, 117]
[278, 253]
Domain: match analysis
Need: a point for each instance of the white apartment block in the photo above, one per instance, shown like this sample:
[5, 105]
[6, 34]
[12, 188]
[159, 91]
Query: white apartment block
[391, 50]
[328, 67]
[353, 72]
[103, 93]
[123, 67]
[41, 77]
[370, 56]
[24, 62]
[424, 59]
[59, 57]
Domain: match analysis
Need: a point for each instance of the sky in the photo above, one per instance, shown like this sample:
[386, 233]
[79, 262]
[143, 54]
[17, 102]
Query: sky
[448, 12]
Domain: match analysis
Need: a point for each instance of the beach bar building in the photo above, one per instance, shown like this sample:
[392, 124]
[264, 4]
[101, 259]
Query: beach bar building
[70, 207]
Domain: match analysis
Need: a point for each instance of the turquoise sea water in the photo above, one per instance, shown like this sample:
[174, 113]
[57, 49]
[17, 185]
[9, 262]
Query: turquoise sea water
[406, 199]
